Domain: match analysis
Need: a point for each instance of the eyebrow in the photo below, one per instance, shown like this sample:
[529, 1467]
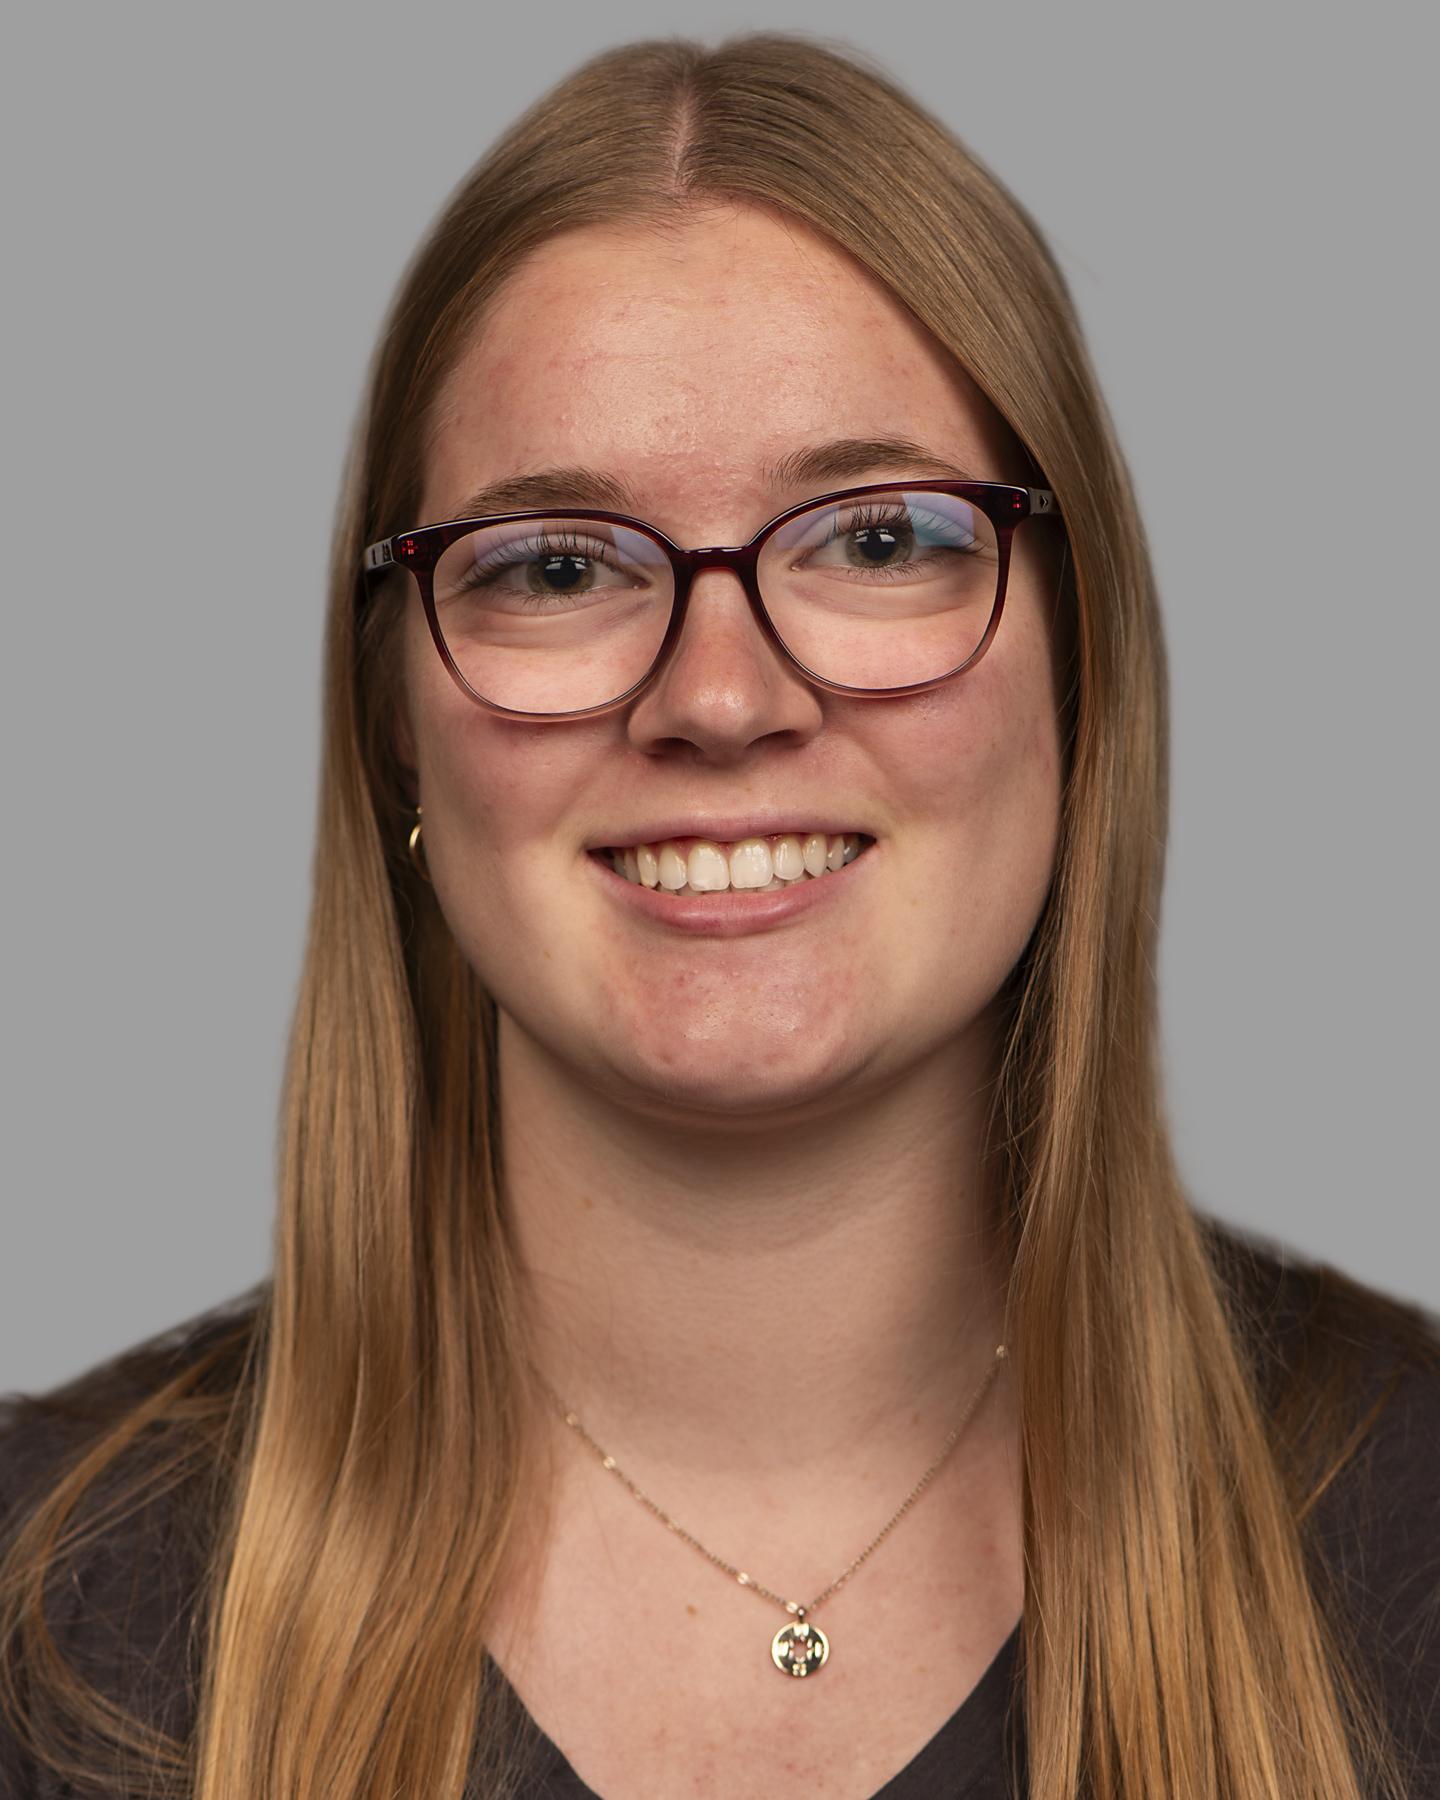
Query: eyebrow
[575, 486]
[839, 460]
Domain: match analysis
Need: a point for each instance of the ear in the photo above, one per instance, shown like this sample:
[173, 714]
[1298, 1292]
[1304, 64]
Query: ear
[403, 750]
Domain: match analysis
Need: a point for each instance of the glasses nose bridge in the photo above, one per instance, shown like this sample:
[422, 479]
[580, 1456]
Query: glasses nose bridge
[739, 557]
[742, 561]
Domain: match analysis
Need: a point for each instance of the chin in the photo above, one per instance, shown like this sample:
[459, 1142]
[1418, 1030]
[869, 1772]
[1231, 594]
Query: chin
[701, 1082]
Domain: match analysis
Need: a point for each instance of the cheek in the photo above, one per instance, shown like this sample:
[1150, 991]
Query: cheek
[980, 764]
[507, 791]
[502, 796]
[490, 785]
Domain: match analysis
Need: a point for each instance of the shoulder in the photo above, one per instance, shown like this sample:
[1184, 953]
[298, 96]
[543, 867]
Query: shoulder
[1350, 1382]
[109, 1493]
[1324, 1348]
[46, 1436]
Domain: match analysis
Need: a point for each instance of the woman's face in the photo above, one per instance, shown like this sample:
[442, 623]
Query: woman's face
[683, 367]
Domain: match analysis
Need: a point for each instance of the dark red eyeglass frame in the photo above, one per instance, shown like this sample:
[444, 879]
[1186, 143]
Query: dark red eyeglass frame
[421, 549]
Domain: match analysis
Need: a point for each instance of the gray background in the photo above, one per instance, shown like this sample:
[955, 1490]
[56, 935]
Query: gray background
[208, 210]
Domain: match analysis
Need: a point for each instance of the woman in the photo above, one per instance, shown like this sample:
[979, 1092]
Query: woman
[722, 1136]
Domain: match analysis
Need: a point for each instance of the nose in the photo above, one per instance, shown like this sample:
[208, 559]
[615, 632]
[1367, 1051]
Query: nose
[725, 685]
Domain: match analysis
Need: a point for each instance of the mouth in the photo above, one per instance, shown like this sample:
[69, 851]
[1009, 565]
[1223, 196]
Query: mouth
[680, 868]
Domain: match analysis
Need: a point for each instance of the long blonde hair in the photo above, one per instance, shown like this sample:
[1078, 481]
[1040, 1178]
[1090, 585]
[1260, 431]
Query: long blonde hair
[367, 1436]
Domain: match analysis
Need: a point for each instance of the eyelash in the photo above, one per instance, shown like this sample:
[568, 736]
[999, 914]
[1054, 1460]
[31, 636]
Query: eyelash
[523, 550]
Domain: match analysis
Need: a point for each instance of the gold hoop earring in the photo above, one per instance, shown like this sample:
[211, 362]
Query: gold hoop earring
[417, 849]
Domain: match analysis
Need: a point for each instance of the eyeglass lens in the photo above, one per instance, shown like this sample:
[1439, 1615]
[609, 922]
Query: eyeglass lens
[875, 591]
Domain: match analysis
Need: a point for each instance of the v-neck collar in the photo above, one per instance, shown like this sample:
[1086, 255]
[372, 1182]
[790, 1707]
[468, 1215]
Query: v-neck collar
[968, 1749]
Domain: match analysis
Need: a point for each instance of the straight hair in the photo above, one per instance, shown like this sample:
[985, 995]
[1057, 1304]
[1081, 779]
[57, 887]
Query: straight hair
[357, 1435]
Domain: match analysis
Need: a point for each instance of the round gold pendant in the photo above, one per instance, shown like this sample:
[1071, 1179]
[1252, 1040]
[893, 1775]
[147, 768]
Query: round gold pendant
[799, 1649]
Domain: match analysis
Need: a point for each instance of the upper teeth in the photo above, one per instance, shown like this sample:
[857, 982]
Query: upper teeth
[703, 865]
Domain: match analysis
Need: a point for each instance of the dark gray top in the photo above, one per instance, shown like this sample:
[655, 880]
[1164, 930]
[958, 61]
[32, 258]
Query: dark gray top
[1375, 1538]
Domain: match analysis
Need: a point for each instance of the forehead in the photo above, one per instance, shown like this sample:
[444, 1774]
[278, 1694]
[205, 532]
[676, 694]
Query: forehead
[700, 354]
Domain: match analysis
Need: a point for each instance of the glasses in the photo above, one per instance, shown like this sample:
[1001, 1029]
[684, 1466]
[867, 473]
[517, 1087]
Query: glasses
[559, 614]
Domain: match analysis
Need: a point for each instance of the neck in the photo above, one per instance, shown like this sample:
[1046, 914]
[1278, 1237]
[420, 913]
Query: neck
[723, 1300]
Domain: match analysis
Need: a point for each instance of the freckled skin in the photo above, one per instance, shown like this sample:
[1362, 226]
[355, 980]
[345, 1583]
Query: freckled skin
[684, 365]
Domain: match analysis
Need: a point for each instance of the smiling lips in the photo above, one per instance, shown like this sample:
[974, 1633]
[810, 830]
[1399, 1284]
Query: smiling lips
[682, 866]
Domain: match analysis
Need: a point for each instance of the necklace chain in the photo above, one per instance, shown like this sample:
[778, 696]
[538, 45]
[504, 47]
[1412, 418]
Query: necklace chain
[572, 1419]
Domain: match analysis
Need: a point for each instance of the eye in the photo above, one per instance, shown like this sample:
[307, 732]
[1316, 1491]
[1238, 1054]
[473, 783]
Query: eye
[548, 564]
[878, 542]
[893, 539]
